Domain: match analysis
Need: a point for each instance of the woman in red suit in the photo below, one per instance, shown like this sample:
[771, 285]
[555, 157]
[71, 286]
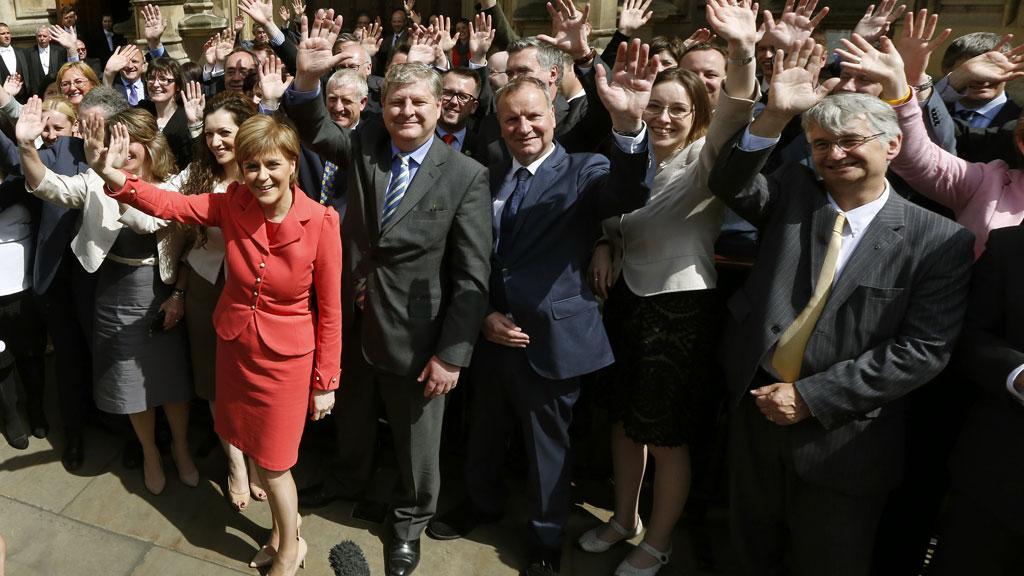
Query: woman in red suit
[278, 355]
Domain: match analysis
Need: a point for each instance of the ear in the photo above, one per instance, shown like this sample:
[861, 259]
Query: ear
[893, 148]
[476, 104]
[362, 103]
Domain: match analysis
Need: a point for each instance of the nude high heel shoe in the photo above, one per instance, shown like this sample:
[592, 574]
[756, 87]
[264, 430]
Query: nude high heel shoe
[265, 555]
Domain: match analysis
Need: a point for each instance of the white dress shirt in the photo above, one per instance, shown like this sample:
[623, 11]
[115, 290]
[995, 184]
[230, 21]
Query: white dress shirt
[10, 60]
[44, 58]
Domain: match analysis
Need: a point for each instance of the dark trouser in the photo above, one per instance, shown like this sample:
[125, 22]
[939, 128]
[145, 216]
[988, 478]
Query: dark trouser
[781, 524]
[508, 392]
[67, 309]
[416, 425]
[23, 334]
[973, 541]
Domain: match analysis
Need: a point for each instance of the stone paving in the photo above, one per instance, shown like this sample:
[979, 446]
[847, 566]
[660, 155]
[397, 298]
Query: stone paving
[100, 520]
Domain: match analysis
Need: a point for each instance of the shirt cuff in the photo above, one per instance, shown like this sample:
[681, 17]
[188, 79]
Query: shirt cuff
[474, 66]
[293, 96]
[154, 54]
[277, 40]
[751, 143]
[1009, 384]
[631, 144]
[73, 58]
[266, 110]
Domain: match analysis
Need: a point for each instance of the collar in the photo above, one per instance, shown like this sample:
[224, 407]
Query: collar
[989, 109]
[138, 83]
[43, 49]
[580, 94]
[860, 217]
[418, 154]
[535, 165]
[6, 48]
[460, 136]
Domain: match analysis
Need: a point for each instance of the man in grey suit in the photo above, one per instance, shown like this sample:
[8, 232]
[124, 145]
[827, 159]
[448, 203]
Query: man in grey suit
[417, 240]
[856, 299]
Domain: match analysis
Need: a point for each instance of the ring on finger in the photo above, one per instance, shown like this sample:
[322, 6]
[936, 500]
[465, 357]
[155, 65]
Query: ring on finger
[574, 16]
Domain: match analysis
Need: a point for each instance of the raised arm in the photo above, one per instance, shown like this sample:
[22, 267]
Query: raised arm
[928, 168]
[29, 127]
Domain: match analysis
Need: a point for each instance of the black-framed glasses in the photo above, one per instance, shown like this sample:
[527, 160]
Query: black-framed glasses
[678, 111]
[462, 97]
[844, 143]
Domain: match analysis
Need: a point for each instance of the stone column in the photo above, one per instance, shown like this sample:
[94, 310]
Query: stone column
[172, 11]
[199, 24]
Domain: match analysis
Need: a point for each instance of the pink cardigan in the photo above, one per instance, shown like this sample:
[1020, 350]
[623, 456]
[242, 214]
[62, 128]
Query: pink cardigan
[984, 196]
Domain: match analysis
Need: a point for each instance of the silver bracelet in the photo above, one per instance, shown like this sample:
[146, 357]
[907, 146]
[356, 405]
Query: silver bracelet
[740, 61]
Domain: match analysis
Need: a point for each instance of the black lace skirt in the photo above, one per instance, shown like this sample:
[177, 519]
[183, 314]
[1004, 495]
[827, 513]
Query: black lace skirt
[664, 362]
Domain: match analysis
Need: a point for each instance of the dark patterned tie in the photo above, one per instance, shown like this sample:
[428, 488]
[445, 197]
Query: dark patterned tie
[966, 115]
[511, 209]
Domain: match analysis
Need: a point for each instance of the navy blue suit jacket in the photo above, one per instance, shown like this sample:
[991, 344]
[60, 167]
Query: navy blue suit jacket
[539, 276]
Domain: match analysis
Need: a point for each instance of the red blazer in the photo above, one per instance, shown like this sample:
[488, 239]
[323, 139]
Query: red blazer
[271, 286]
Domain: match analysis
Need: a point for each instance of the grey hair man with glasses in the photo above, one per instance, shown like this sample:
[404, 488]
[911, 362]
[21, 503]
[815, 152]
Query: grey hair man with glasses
[855, 300]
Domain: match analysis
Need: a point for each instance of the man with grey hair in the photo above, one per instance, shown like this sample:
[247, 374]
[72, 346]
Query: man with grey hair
[855, 300]
[44, 59]
[417, 237]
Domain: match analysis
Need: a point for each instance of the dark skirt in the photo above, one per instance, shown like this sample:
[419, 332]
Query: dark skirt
[664, 362]
[200, 302]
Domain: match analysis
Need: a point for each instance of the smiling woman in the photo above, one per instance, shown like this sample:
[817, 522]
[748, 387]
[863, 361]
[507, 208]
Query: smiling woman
[276, 360]
[75, 79]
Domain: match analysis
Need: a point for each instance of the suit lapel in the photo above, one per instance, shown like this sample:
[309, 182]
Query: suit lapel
[294, 222]
[251, 218]
[883, 234]
[381, 178]
[426, 175]
[823, 220]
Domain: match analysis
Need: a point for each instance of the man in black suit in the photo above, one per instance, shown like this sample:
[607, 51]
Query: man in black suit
[83, 55]
[43, 59]
[417, 238]
[975, 104]
[855, 300]
[102, 45]
[985, 518]
[458, 104]
[399, 34]
[12, 60]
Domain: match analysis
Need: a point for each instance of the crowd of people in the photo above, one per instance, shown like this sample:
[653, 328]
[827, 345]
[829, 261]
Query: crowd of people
[820, 247]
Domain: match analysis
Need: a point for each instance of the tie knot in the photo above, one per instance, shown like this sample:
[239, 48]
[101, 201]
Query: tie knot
[448, 138]
[522, 174]
[840, 223]
[403, 158]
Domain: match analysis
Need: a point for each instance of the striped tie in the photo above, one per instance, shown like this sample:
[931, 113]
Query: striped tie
[327, 181]
[399, 184]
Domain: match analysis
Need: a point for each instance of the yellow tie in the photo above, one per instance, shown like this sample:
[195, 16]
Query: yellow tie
[789, 351]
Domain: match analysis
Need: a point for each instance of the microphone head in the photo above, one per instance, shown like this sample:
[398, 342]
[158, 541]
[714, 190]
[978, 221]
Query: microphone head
[347, 560]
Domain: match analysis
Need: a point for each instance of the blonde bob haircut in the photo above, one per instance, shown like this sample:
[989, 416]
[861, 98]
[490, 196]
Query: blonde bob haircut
[262, 135]
[62, 105]
[83, 68]
[142, 129]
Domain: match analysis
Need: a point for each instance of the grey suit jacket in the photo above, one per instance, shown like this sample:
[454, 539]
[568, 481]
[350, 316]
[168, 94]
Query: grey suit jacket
[426, 272]
[888, 326]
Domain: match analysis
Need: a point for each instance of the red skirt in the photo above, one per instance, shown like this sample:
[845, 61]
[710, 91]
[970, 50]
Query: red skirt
[262, 399]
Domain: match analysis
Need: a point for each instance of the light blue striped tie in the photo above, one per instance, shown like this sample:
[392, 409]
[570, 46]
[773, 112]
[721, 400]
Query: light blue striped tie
[399, 184]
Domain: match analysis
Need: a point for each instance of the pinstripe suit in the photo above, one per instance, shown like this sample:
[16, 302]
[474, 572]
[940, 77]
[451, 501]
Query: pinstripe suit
[887, 327]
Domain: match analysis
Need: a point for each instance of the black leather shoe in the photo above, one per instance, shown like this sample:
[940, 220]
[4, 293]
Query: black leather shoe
[323, 493]
[131, 457]
[459, 522]
[38, 424]
[540, 568]
[74, 454]
[403, 557]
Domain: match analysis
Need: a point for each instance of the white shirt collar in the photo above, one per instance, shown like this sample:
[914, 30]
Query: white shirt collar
[860, 217]
[535, 165]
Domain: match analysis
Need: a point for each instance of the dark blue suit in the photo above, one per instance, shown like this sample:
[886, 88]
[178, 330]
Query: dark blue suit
[66, 289]
[538, 278]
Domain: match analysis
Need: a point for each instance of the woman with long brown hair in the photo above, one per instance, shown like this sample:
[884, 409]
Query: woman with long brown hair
[212, 170]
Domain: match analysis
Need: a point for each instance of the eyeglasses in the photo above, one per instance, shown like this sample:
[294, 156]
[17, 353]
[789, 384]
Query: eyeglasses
[678, 112]
[160, 81]
[462, 97]
[79, 83]
[496, 72]
[844, 143]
